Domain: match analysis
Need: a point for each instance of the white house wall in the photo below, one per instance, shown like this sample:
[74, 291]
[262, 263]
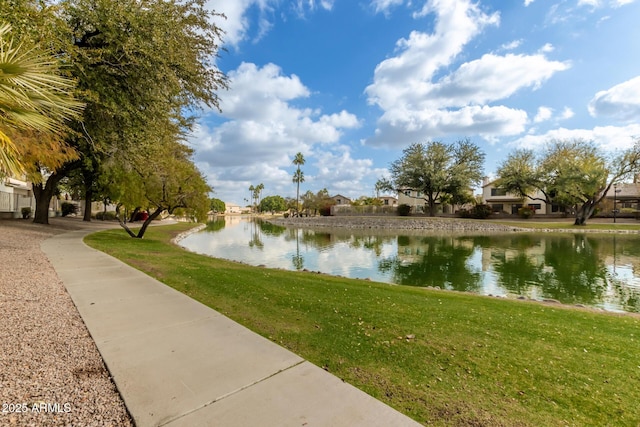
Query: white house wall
[14, 197]
[508, 201]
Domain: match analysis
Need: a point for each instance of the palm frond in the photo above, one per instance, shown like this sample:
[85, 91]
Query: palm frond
[9, 158]
[32, 93]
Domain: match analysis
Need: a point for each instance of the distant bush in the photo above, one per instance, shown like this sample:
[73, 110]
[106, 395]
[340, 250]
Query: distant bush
[325, 211]
[526, 212]
[404, 210]
[106, 216]
[26, 212]
[476, 212]
[68, 208]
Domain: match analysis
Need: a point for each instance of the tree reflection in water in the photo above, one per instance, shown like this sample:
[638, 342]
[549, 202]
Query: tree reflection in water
[439, 262]
[568, 268]
[599, 270]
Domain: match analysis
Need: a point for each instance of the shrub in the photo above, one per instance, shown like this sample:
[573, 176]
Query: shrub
[106, 216]
[26, 212]
[325, 211]
[404, 210]
[68, 208]
[526, 212]
[476, 212]
[286, 214]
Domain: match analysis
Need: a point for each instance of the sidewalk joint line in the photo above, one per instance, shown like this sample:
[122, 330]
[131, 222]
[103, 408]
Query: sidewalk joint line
[231, 393]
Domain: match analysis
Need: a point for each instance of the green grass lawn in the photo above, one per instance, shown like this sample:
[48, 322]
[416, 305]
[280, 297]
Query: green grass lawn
[568, 225]
[442, 358]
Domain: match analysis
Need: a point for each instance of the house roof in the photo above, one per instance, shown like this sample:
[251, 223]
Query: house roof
[626, 190]
[487, 183]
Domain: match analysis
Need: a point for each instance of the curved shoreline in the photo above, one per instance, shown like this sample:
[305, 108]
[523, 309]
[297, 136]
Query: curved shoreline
[394, 223]
[428, 224]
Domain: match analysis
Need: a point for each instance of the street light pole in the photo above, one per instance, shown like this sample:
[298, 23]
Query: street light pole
[615, 210]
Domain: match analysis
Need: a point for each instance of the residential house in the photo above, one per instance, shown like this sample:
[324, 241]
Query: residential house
[625, 197]
[341, 200]
[503, 202]
[388, 200]
[419, 204]
[15, 194]
[232, 209]
[413, 198]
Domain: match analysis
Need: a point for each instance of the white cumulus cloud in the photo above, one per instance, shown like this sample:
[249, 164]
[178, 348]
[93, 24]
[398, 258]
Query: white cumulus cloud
[383, 6]
[260, 129]
[236, 25]
[621, 102]
[544, 114]
[345, 174]
[420, 103]
[608, 138]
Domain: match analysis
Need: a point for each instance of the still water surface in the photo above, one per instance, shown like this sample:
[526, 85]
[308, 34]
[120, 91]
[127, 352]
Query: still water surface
[597, 270]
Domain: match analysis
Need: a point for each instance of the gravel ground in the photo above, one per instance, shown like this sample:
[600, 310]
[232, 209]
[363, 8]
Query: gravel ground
[51, 373]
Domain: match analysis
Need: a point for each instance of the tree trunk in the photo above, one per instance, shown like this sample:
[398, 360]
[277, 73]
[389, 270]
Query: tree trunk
[585, 212]
[432, 205]
[43, 193]
[146, 223]
[132, 218]
[123, 223]
[88, 197]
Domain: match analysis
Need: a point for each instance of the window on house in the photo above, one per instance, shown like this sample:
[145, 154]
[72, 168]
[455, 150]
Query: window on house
[497, 208]
[407, 193]
[536, 206]
[498, 192]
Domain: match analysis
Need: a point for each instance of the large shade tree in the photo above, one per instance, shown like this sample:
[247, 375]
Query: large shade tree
[273, 204]
[134, 62]
[160, 177]
[438, 171]
[572, 173]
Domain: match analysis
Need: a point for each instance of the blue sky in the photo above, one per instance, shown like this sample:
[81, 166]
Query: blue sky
[351, 83]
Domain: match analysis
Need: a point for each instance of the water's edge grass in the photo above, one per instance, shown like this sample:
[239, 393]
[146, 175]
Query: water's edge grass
[443, 358]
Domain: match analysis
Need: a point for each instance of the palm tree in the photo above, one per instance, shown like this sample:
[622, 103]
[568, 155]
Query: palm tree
[33, 96]
[298, 177]
[252, 191]
[257, 190]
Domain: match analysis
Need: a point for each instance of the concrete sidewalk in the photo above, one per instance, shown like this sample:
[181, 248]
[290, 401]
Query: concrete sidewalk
[177, 362]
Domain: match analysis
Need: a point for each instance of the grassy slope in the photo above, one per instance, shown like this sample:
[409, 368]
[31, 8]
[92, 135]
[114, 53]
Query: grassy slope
[469, 360]
[568, 225]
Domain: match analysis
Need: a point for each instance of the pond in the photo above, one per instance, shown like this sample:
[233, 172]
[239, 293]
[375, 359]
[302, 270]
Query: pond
[595, 270]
